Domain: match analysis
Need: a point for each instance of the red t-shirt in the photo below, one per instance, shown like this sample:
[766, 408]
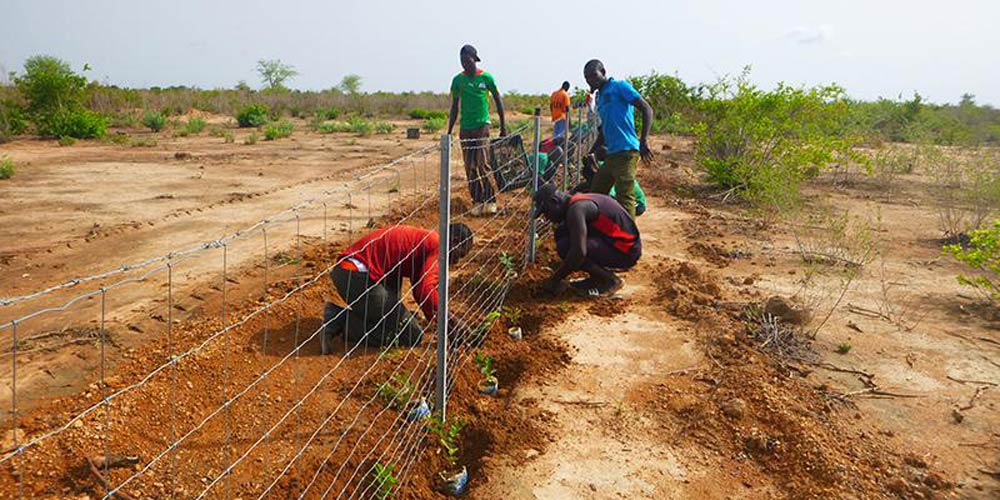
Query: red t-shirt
[405, 251]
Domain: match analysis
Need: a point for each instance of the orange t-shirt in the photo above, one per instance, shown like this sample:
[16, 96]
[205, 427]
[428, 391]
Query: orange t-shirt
[558, 104]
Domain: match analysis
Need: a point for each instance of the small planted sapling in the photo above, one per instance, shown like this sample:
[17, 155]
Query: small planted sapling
[513, 315]
[400, 393]
[484, 327]
[509, 269]
[454, 479]
[384, 481]
[489, 384]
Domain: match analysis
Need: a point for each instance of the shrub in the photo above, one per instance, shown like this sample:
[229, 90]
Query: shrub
[154, 121]
[361, 126]
[330, 113]
[250, 139]
[228, 137]
[762, 144]
[434, 124]
[278, 130]
[143, 142]
[982, 255]
[674, 103]
[423, 114]
[253, 115]
[384, 128]
[967, 183]
[65, 141]
[195, 125]
[50, 86]
[6, 168]
[119, 138]
[79, 124]
[12, 120]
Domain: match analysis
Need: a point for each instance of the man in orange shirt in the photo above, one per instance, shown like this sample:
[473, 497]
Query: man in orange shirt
[558, 104]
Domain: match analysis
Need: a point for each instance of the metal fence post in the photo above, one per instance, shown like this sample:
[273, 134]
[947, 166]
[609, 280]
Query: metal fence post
[579, 145]
[532, 226]
[569, 127]
[442, 312]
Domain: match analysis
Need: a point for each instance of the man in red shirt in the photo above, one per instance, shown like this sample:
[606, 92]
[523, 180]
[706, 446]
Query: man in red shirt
[370, 280]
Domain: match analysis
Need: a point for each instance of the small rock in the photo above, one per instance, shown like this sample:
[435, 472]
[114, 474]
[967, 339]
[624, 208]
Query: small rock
[181, 155]
[748, 281]
[734, 409]
[531, 453]
[780, 308]
[592, 487]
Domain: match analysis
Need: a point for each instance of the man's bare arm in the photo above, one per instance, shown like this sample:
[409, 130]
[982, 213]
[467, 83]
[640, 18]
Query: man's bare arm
[647, 123]
[499, 102]
[453, 114]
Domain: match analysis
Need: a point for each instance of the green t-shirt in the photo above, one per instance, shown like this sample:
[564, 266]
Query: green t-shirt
[472, 92]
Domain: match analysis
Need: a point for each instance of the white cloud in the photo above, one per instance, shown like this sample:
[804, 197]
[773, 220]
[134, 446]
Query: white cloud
[803, 35]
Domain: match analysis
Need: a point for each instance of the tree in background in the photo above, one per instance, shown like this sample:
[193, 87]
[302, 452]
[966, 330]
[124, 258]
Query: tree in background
[350, 84]
[55, 97]
[274, 73]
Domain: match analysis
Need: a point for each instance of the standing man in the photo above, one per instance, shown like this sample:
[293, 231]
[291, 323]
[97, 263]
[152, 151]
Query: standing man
[558, 104]
[594, 234]
[470, 87]
[615, 101]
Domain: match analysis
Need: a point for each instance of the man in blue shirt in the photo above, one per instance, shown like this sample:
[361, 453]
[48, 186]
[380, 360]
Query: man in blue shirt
[615, 101]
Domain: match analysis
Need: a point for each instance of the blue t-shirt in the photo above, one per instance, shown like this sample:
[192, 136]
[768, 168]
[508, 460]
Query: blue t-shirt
[614, 104]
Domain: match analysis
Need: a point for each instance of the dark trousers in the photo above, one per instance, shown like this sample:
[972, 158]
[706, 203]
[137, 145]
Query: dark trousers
[377, 315]
[474, 144]
[600, 251]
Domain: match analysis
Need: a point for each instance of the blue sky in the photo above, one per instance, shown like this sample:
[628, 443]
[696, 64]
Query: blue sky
[874, 48]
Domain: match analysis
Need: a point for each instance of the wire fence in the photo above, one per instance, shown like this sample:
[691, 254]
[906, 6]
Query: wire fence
[225, 391]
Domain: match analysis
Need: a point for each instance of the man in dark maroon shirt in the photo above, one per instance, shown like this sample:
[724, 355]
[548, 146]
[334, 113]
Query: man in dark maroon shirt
[370, 280]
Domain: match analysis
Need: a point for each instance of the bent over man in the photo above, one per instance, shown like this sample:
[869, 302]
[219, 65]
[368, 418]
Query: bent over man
[594, 234]
[370, 280]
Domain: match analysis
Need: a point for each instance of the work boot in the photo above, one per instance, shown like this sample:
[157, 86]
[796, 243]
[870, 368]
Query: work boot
[335, 318]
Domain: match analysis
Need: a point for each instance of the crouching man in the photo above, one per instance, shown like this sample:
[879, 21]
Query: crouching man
[370, 280]
[594, 234]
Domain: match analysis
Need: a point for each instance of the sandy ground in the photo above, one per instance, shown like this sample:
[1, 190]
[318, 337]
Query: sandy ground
[928, 350]
[663, 395]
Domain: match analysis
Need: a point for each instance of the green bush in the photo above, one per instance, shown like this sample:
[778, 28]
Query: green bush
[50, 86]
[195, 125]
[65, 141]
[423, 114]
[250, 139]
[674, 103]
[982, 254]
[228, 137]
[12, 119]
[384, 127]
[154, 121]
[762, 144]
[253, 115]
[6, 168]
[278, 130]
[434, 124]
[327, 113]
[79, 124]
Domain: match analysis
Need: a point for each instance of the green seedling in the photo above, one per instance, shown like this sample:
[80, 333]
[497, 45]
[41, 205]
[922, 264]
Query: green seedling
[508, 265]
[487, 323]
[843, 348]
[447, 436]
[485, 364]
[385, 481]
[513, 315]
[398, 391]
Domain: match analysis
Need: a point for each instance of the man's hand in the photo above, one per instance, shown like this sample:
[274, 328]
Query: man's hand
[553, 286]
[644, 152]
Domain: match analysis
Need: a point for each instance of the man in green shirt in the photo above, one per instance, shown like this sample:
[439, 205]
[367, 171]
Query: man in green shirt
[470, 87]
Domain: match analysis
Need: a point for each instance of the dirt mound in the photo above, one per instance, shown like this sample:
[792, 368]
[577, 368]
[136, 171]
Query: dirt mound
[747, 407]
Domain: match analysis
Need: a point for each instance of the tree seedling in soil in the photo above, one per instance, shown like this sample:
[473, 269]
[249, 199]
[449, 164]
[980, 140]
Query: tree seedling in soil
[513, 315]
[397, 391]
[384, 481]
[489, 384]
[453, 479]
[507, 261]
[485, 326]
[843, 348]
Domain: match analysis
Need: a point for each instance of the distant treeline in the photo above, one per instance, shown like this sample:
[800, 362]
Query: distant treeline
[47, 98]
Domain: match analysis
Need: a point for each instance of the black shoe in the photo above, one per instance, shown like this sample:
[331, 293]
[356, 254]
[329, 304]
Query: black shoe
[334, 318]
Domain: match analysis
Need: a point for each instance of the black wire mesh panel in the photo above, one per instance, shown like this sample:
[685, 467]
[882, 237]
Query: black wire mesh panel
[509, 162]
